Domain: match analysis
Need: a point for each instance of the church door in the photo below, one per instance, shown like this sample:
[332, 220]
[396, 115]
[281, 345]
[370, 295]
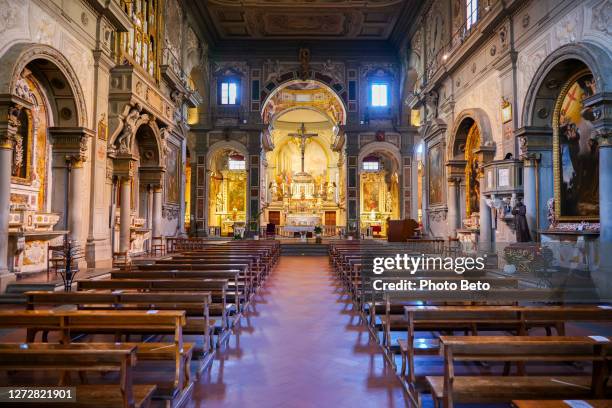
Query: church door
[330, 218]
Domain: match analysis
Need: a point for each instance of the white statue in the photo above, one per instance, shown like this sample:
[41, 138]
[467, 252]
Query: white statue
[124, 141]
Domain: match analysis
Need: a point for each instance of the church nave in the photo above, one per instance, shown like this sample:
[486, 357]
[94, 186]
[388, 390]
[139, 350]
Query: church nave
[300, 344]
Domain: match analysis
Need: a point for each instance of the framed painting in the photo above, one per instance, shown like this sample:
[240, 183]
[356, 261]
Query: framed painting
[173, 174]
[435, 161]
[575, 152]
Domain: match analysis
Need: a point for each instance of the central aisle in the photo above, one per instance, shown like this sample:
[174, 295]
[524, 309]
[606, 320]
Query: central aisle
[300, 346]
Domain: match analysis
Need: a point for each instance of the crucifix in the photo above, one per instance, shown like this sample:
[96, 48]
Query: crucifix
[302, 138]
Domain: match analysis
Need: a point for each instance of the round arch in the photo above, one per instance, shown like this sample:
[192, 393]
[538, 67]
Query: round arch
[460, 129]
[277, 115]
[277, 87]
[217, 147]
[381, 147]
[596, 59]
[15, 60]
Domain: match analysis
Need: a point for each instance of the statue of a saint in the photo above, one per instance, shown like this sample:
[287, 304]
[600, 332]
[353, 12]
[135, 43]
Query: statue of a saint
[520, 222]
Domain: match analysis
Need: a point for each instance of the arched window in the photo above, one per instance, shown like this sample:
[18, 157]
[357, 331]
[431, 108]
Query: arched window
[140, 45]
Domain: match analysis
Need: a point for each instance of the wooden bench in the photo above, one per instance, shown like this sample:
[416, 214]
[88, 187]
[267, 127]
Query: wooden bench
[97, 357]
[222, 301]
[118, 323]
[237, 282]
[474, 319]
[195, 305]
[450, 388]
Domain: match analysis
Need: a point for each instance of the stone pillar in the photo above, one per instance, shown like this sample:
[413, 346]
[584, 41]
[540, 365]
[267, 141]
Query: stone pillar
[157, 211]
[150, 208]
[6, 157]
[484, 240]
[125, 215]
[605, 189]
[75, 221]
[9, 123]
[530, 193]
[454, 211]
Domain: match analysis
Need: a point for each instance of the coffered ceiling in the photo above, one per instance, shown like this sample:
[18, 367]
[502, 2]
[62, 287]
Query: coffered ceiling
[302, 19]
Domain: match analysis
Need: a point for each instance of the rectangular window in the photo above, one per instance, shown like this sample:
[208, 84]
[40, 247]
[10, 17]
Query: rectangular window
[229, 93]
[379, 95]
[236, 164]
[471, 13]
[371, 165]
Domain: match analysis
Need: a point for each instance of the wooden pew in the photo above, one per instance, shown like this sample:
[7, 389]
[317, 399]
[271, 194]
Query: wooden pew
[237, 281]
[195, 305]
[98, 357]
[474, 319]
[126, 322]
[249, 267]
[223, 304]
[450, 388]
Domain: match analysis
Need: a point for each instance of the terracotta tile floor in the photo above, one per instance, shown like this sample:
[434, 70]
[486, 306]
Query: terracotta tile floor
[300, 346]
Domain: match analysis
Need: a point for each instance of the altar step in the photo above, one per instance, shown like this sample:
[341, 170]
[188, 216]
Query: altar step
[304, 249]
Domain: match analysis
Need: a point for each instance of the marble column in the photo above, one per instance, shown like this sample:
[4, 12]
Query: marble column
[125, 215]
[9, 123]
[75, 220]
[530, 194]
[150, 208]
[454, 211]
[484, 239]
[605, 190]
[157, 211]
[6, 157]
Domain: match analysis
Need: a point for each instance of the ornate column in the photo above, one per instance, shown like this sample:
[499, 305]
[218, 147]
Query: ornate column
[454, 212]
[601, 105]
[605, 187]
[125, 214]
[124, 167]
[8, 129]
[71, 144]
[157, 211]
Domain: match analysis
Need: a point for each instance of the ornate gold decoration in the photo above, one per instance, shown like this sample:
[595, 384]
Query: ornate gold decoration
[473, 171]
[141, 45]
[102, 128]
[556, 124]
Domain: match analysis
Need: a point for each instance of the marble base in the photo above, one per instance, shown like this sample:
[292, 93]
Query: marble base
[6, 278]
[577, 250]
[468, 238]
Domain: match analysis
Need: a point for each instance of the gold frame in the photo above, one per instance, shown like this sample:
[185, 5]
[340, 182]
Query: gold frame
[157, 31]
[179, 160]
[438, 145]
[27, 180]
[556, 158]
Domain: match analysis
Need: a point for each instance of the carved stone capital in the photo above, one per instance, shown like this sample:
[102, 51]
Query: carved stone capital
[71, 141]
[9, 124]
[600, 106]
[531, 159]
[604, 137]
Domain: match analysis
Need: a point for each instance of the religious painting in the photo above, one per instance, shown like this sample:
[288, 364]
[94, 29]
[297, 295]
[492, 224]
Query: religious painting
[20, 167]
[472, 171]
[371, 194]
[236, 194]
[576, 154]
[436, 174]
[172, 175]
